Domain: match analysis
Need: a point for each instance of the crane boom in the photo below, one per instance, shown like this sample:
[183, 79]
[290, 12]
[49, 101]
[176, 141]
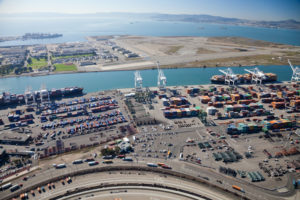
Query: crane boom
[230, 77]
[138, 81]
[296, 72]
[257, 75]
[292, 66]
[161, 79]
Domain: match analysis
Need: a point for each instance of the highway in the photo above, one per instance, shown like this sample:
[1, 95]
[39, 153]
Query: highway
[133, 193]
[89, 181]
[252, 191]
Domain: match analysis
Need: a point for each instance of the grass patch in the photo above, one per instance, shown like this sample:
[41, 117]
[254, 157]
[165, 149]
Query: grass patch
[234, 61]
[244, 60]
[36, 64]
[73, 56]
[65, 67]
[204, 51]
[173, 49]
[244, 41]
[291, 53]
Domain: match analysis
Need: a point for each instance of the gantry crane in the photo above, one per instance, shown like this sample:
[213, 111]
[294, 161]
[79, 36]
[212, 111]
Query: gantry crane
[296, 72]
[257, 75]
[29, 95]
[230, 77]
[161, 79]
[44, 93]
[138, 81]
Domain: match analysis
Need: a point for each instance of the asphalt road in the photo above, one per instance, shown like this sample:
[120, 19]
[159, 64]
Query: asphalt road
[126, 193]
[251, 191]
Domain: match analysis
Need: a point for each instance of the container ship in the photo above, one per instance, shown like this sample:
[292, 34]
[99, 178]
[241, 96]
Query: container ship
[29, 36]
[244, 78]
[7, 98]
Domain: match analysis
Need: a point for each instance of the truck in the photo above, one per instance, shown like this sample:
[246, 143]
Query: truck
[76, 162]
[238, 188]
[92, 163]
[107, 162]
[127, 159]
[60, 166]
[89, 160]
[152, 165]
[169, 154]
[166, 166]
[52, 135]
[181, 156]
[121, 156]
[108, 157]
[5, 187]
[45, 136]
[15, 187]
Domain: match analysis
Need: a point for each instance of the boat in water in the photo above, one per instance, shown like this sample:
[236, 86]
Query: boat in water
[7, 98]
[244, 78]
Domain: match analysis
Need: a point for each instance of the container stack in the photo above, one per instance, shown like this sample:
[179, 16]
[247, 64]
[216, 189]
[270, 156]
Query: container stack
[249, 128]
[228, 108]
[211, 110]
[253, 106]
[246, 101]
[218, 104]
[192, 90]
[235, 97]
[182, 112]
[205, 99]
[165, 102]
[246, 96]
[218, 98]
[277, 124]
[178, 101]
[271, 77]
[263, 95]
[232, 129]
[295, 103]
[278, 105]
[162, 96]
[212, 88]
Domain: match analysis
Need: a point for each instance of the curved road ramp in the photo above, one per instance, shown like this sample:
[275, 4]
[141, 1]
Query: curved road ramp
[132, 179]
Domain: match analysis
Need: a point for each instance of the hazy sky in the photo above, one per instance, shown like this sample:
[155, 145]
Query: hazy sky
[246, 9]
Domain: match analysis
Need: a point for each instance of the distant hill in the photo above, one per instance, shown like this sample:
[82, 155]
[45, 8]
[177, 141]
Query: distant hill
[290, 24]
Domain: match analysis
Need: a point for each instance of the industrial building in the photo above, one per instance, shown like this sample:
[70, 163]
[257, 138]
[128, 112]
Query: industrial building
[14, 138]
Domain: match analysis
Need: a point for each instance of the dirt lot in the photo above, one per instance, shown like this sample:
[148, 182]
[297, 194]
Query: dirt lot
[215, 51]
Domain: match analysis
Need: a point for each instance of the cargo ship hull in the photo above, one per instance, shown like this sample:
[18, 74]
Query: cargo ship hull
[10, 99]
[243, 79]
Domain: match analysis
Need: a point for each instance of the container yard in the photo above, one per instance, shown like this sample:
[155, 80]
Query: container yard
[231, 125]
[235, 131]
[63, 125]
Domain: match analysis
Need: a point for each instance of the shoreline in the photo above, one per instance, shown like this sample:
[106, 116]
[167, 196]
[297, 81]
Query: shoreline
[126, 69]
[174, 52]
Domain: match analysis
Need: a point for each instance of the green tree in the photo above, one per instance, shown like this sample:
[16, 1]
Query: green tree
[29, 61]
[17, 71]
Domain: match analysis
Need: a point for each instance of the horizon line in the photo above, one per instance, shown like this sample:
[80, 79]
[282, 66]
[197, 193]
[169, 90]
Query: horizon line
[122, 12]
